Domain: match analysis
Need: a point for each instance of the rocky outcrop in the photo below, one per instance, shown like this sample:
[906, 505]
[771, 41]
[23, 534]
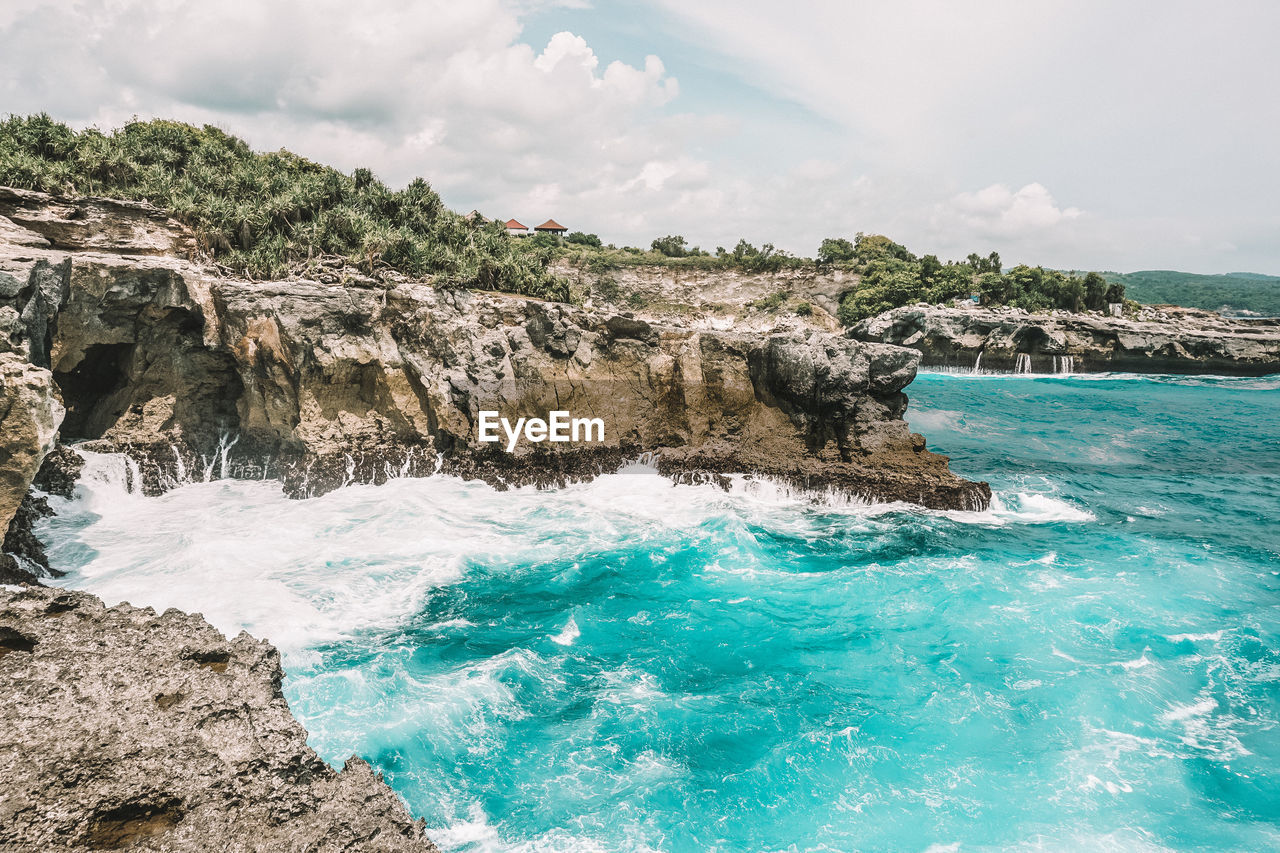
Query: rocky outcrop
[716, 299]
[1165, 340]
[30, 414]
[127, 729]
[324, 383]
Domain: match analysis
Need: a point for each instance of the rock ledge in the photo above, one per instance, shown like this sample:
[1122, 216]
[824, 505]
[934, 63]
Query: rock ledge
[121, 728]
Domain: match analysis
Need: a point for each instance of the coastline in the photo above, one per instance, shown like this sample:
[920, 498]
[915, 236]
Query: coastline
[118, 341]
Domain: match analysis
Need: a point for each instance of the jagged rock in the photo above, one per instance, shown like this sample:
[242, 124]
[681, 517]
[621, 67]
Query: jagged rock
[124, 729]
[30, 414]
[24, 557]
[322, 384]
[59, 472]
[125, 227]
[1171, 340]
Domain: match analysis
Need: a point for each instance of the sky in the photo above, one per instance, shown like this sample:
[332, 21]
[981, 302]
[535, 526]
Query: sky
[1079, 134]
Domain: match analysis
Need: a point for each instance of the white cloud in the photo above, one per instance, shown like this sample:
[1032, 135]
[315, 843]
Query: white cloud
[997, 211]
[1148, 119]
[442, 89]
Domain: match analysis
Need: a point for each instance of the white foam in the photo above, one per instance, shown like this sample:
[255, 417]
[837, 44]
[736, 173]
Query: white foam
[1186, 712]
[1038, 509]
[1214, 636]
[568, 634]
[303, 573]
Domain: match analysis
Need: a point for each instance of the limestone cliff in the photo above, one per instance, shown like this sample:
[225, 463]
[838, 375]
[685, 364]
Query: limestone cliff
[127, 729]
[348, 379]
[717, 299]
[1165, 340]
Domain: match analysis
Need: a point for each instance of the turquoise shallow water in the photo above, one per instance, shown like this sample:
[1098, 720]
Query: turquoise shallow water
[628, 665]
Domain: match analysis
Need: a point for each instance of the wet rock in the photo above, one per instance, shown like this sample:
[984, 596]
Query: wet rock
[126, 729]
[59, 472]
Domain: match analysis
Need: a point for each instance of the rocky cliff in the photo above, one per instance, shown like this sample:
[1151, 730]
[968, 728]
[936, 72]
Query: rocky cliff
[124, 728]
[347, 378]
[717, 299]
[127, 729]
[1164, 340]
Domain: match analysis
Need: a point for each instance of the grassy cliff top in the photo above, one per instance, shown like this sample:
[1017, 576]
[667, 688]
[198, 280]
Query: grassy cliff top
[274, 214]
[271, 214]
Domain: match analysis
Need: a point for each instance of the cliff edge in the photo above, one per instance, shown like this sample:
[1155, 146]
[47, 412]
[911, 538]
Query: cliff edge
[320, 383]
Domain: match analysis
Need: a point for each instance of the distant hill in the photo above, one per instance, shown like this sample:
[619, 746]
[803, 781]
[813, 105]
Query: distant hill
[1232, 293]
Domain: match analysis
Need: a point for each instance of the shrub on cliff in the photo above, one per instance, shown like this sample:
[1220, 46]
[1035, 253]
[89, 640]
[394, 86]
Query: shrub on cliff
[673, 246]
[891, 276]
[269, 214]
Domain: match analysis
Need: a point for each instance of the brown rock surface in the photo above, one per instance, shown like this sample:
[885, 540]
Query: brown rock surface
[124, 729]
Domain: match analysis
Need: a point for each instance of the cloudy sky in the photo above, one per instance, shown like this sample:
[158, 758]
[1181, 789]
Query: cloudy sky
[1074, 133]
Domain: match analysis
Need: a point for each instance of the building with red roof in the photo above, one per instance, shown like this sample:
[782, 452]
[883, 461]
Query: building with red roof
[551, 227]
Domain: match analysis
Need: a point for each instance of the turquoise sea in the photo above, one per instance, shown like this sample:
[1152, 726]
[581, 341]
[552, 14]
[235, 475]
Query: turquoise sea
[1094, 664]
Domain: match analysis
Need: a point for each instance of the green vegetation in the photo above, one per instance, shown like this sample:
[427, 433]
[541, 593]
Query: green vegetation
[1230, 293]
[892, 276]
[889, 275]
[267, 215]
[592, 240]
[772, 302]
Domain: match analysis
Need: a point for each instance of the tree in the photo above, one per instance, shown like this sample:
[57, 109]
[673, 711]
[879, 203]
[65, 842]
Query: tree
[953, 282]
[991, 263]
[581, 239]
[996, 289]
[871, 247]
[1095, 292]
[835, 250]
[673, 246]
[930, 267]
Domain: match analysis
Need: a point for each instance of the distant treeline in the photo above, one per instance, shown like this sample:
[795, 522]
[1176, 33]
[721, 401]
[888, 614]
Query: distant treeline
[889, 274]
[1230, 293]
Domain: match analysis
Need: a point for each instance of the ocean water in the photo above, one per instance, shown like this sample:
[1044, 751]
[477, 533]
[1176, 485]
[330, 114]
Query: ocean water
[1093, 664]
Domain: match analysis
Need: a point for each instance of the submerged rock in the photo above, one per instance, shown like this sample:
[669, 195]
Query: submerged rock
[124, 729]
[1168, 340]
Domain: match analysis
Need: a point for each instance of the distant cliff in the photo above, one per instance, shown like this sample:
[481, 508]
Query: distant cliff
[1171, 340]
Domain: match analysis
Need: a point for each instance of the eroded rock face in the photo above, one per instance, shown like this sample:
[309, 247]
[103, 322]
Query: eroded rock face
[1167, 340]
[30, 414]
[320, 384]
[126, 729]
[719, 299]
[122, 227]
